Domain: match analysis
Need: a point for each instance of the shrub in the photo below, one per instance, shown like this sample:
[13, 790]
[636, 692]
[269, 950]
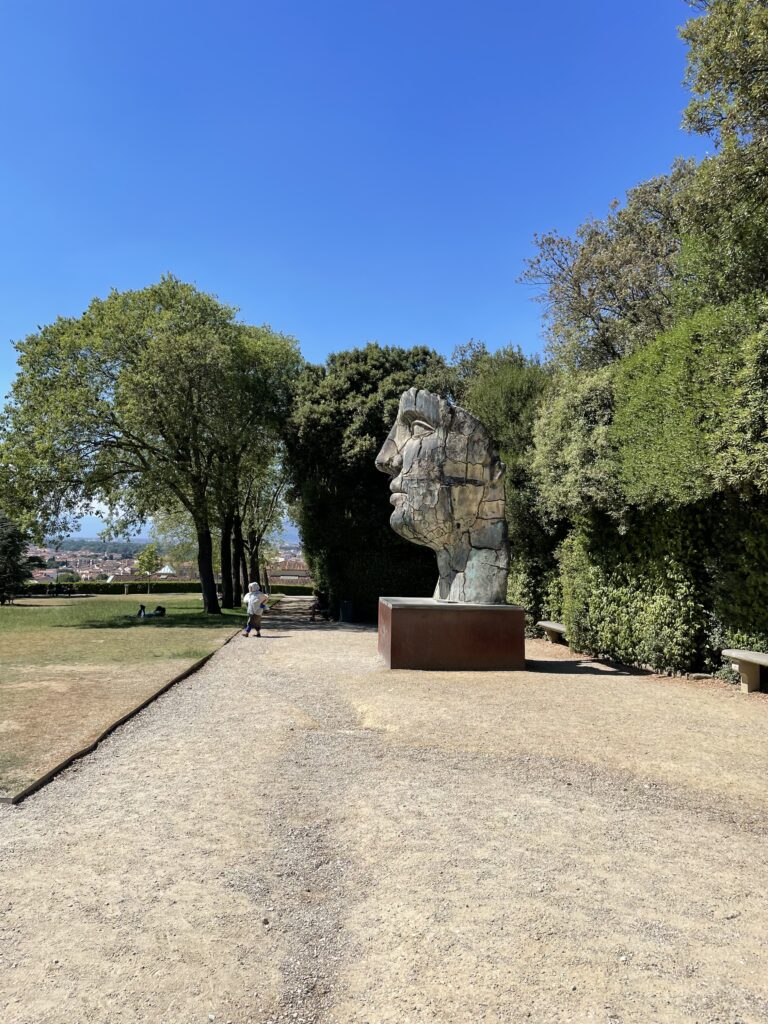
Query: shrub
[641, 608]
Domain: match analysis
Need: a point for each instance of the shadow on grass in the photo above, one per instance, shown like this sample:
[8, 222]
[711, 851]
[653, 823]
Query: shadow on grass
[190, 620]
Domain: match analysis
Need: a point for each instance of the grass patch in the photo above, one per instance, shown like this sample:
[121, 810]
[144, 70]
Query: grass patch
[71, 666]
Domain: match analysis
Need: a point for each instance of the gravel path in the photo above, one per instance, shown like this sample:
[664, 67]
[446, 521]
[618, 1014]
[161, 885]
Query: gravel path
[295, 834]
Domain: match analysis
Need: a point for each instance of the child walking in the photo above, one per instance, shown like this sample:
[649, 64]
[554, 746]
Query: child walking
[256, 602]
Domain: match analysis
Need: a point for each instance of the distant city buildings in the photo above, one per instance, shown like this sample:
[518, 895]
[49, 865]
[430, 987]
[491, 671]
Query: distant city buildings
[291, 570]
[90, 562]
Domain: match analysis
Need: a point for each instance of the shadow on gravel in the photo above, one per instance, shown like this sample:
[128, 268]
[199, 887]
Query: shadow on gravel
[288, 622]
[295, 613]
[581, 667]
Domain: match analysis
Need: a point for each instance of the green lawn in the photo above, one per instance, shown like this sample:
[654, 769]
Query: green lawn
[70, 666]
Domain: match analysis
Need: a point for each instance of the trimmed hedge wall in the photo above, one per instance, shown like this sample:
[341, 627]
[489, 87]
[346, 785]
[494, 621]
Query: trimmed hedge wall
[652, 475]
[157, 587]
[135, 587]
[636, 603]
[672, 589]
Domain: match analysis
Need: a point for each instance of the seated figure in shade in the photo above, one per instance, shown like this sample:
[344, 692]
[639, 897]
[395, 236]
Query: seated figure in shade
[448, 491]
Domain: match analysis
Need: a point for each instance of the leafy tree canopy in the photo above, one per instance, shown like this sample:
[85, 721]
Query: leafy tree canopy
[608, 290]
[149, 399]
[504, 392]
[724, 229]
[149, 561]
[173, 533]
[727, 69]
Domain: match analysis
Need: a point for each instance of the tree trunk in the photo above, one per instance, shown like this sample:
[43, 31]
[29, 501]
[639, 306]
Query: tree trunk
[227, 596]
[257, 562]
[244, 570]
[237, 557]
[205, 568]
[253, 557]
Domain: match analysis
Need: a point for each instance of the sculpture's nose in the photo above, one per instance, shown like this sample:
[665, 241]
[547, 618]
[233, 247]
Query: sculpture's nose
[389, 459]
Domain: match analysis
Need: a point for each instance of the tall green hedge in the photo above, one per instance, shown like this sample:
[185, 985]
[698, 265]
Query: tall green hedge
[673, 590]
[682, 425]
[365, 576]
[637, 601]
[657, 467]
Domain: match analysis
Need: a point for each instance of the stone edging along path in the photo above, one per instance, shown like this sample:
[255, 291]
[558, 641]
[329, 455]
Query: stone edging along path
[43, 780]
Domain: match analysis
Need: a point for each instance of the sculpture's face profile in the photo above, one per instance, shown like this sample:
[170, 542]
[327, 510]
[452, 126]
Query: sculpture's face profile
[447, 487]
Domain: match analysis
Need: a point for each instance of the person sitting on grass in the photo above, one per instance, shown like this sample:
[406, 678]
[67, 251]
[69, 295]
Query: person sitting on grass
[255, 601]
[158, 613]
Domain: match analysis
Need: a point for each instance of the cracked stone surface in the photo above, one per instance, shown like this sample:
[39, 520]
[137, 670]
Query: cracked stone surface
[448, 492]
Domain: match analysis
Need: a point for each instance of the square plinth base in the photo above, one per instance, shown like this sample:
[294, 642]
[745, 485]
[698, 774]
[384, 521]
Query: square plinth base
[417, 632]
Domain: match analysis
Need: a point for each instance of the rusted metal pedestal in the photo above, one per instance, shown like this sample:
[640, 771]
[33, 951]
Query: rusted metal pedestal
[421, 633]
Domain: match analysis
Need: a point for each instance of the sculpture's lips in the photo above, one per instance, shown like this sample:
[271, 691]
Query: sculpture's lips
[396, 487]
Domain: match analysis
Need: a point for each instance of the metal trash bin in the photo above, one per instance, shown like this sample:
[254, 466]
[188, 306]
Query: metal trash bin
[345, 611]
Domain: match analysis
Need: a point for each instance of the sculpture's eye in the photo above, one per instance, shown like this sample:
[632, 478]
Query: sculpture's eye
[420, 429]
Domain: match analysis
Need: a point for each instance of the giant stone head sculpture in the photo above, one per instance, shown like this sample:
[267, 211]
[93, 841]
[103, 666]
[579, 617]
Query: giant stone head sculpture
[448, 491]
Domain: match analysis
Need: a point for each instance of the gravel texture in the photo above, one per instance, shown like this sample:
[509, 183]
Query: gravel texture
[295, 834]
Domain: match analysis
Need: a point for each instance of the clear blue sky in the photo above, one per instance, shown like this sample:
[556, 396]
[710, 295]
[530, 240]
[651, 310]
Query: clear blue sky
[346, 170]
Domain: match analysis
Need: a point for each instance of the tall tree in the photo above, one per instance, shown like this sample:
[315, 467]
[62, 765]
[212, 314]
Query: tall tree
[505, 391]
[148, 563]
[262, 514]
[145, 401]
[14, 567]
[344, 411]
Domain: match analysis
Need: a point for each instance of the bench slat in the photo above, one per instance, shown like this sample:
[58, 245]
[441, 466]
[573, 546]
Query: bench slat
[557, 627]
[756, 657]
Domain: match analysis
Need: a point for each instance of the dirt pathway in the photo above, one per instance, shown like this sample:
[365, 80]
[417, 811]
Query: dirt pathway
[295, 834]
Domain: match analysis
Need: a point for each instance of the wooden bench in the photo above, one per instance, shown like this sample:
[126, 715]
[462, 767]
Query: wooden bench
[555, 631]
[747, 664]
